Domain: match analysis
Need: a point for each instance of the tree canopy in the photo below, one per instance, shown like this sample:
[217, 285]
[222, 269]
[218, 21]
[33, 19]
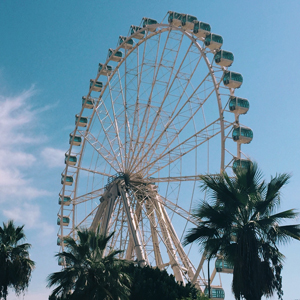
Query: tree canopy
[239, 222]
[91, 271]
[15, 264]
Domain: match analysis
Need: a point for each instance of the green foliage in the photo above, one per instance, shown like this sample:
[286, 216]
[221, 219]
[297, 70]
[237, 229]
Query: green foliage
[238, 222]
[89, 274]
[15, 264]
[151, 283]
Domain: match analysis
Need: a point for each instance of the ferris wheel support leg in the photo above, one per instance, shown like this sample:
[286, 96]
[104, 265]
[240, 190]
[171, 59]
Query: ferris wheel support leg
[212, 277]
[98, 215]
[131, 244]
[168, 242]
[109, 197]
[184, 258]
[199, 268]
[132, 228]
[153, 225]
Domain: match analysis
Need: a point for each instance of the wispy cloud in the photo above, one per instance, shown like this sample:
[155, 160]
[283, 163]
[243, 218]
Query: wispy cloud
[30, 215]
[53, 157]
[17, 123]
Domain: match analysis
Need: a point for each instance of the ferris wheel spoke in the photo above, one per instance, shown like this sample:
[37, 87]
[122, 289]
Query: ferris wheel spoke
[174, 207]
[116, 118]
[168, 91]
[88, 196]
[166, 65]
[175, 117]
[175, 178]
[185, 147]
[91, 171]
[107, 131]
[155, 72]
[100, 148]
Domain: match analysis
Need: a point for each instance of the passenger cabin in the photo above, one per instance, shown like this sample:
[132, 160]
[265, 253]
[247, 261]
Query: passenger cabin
[201, 29]
[224, 58]
[134, 30]
[63, 261]
[124, 43]
[76, 141]
[242, 135]
[60, 261]
[213, 41]
[67, 180]
[238, 106]
[232, 80]
[241, 163]
[187, 22]
[81, 121]
[216, 293]
[97, 87]
[70, 160]
[174, 18]
[223, 266]
[104, 71]
[87, 103]
[59, 242]
[67, 200]
[115, 55]
[65, 221]
[148, 21]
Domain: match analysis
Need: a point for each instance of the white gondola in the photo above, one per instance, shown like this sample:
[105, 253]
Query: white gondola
[87, 103]
[65, 221]
[67, 200]
[187, 22]
[201, 29]
[97, 87]
[115, 55]
[136, 33]
[238, 105]
[59, 243]
[216, 293]
[70, 160]
[76, 141]
[125, 43]
[213, 41]
[242, 135]
[104, 71]
[174, 18]
[232, 80]
[82, 121]
[148, 21]
[67, 180]
[224, 58]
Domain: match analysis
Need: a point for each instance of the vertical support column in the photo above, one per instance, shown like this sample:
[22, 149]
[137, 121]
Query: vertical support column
[184, 258]
[110, 197]
[130, 243]
[168, 242]
[98, 215]
[153, 226]
[132, 228]
[199, 268]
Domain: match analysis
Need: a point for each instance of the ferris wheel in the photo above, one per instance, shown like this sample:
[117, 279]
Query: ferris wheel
[161, 111]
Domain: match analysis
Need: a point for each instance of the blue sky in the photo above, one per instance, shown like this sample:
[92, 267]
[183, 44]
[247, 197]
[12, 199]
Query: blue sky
[50, 49]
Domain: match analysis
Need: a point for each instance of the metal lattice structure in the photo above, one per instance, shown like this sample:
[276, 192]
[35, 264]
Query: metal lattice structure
[160, 113]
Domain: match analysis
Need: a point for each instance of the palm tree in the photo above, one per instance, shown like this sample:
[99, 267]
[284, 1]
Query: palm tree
[239, 223]
[15, 264]
[88, 273]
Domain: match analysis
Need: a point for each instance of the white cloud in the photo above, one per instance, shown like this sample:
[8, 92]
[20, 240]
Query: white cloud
[53, 157]
[18, 122]
[30, 215]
